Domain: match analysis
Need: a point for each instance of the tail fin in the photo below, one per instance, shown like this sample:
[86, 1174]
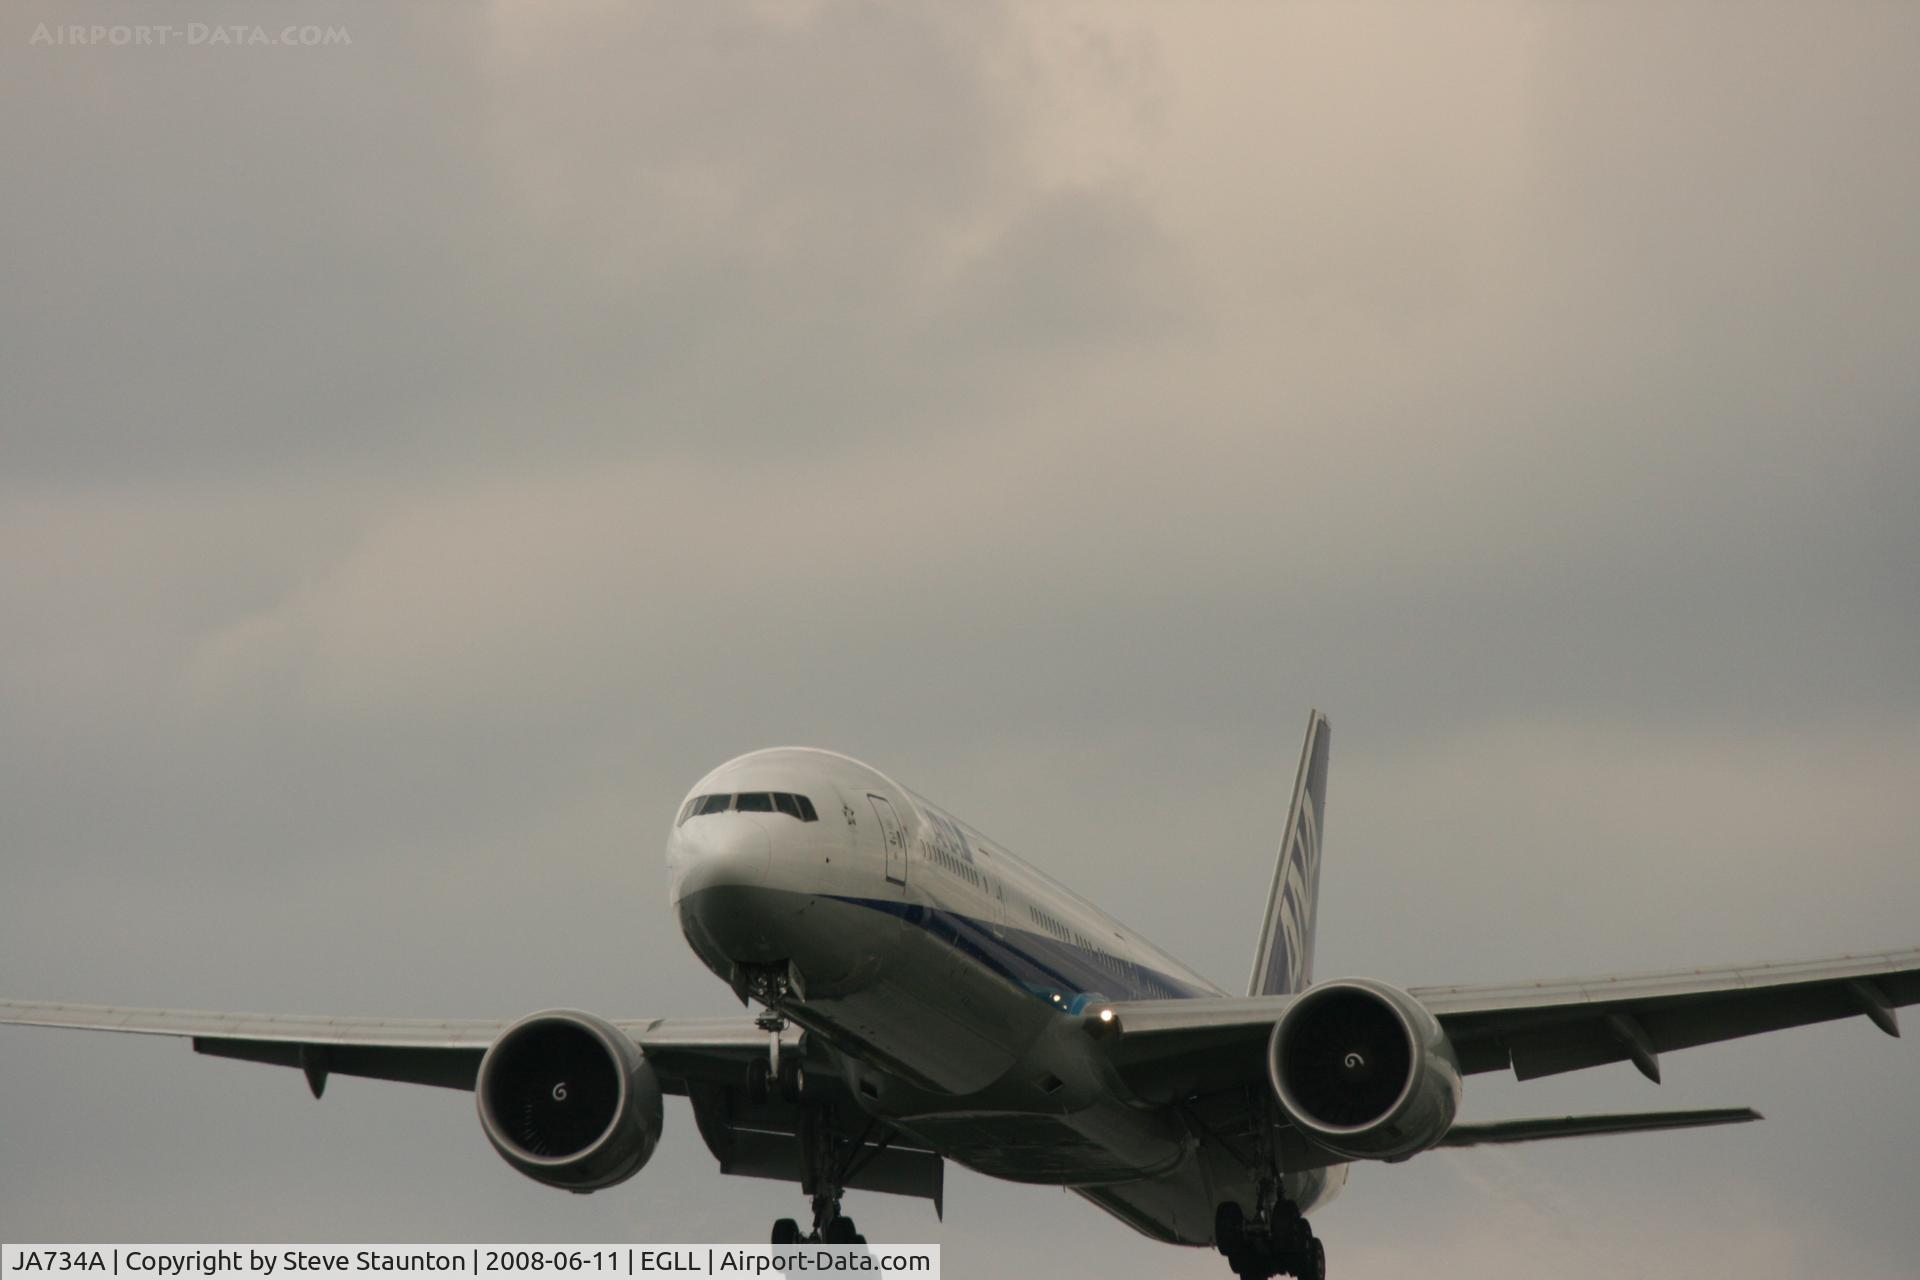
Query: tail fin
[1284, 962]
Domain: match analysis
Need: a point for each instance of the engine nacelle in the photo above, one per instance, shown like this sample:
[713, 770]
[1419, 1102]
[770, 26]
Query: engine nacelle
[1362, 1069]
[568, 1100]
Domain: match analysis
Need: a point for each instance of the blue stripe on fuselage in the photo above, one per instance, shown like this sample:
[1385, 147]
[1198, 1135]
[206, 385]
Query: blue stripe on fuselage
[1041, 963]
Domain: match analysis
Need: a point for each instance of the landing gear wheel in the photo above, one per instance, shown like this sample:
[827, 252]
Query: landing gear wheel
[786, 1231]
[1250, 1264]
[757, 1081]
[829, 1159]
[1308, 1262]
[1229, 1228]
[793, 1079]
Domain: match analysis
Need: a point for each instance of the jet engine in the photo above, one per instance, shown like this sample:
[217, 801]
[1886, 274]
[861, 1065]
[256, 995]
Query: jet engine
[568, 1100]
[1363, 1070]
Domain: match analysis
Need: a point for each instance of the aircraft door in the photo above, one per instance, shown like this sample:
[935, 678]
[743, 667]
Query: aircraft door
[894, 835]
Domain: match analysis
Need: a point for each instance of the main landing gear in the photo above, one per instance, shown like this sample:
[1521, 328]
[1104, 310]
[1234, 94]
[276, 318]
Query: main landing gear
[1284, 1245]
[826, 1181]
[831, 1161]
[829, 1226]
[830, 1158]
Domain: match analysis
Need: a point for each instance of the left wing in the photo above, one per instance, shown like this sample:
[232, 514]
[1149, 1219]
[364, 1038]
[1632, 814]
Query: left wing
[1542, 1029]
[444, 1051]
[1165, 1047]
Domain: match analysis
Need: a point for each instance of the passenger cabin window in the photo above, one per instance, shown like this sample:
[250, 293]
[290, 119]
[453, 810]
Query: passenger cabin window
[754, 802]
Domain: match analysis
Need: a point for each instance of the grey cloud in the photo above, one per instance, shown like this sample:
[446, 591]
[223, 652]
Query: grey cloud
[586, 241]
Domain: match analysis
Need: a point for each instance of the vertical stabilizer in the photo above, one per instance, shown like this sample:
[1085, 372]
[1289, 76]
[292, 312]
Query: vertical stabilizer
[1284, 962]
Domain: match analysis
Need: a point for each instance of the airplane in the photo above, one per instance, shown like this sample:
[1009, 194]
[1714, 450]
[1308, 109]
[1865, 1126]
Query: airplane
[926, 996]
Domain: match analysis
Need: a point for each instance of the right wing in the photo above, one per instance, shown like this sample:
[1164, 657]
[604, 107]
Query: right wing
[707, 1059]
[440, 1051]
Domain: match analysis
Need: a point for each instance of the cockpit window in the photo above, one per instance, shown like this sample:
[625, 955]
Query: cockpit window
[753, 802]
[686, 811]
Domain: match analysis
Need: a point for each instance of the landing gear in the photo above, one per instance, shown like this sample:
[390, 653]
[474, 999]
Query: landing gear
[764, 1080]
[838, 1230]
[830, 1226]
[830, 1160]
[1283, 1245]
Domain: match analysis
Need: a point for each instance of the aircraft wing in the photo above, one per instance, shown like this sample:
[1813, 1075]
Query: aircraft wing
[1542, 1029]
[444, 1052]
[1537, 1028]
[705, 1059]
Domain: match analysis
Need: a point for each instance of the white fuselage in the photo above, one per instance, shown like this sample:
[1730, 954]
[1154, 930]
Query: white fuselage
[947, 979]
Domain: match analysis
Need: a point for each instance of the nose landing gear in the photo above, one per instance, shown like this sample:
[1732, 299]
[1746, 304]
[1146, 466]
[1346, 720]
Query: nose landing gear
[1281, 1245]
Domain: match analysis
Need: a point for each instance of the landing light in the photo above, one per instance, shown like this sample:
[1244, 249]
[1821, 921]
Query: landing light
[1106, 1015]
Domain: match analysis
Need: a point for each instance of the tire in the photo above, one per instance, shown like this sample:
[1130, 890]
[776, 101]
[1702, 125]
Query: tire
[757, 1072]
[786, 1231]
[1316, 1260]
[839, 1231]
[793, 1079]
[1229, 1228]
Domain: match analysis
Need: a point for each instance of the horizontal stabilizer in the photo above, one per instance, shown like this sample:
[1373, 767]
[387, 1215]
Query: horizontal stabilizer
[1477, 1135]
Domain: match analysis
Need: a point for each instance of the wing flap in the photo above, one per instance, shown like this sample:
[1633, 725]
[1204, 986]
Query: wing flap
[406, 1064]
[764, 1140]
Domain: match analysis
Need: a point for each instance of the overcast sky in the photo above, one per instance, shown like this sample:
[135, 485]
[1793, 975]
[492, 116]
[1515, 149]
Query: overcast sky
[422, 459]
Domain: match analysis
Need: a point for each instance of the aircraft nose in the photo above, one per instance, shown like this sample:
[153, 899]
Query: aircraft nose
[721, 850]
